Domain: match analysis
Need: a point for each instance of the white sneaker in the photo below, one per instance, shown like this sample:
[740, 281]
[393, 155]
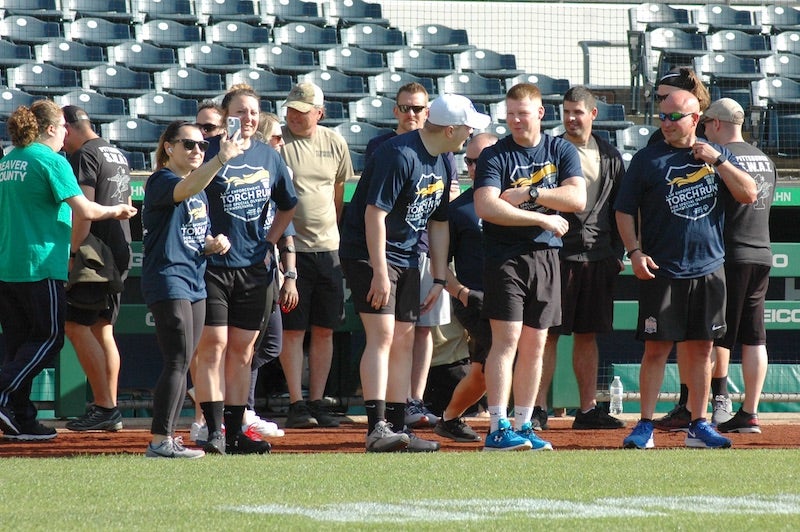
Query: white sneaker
[198, 433]
[255, 426]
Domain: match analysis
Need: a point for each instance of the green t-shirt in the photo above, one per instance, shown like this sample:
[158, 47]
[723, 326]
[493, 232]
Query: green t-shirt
[35, 221]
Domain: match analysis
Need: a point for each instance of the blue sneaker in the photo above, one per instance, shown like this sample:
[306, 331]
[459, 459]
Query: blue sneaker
[702, 435]
[641, 437]
[538, 444]
[505, 439]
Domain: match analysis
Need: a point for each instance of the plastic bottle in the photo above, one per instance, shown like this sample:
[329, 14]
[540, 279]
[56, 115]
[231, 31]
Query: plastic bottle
[615, 391]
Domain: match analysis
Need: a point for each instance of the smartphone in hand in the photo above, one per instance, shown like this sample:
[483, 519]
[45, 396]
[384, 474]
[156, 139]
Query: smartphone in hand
[234, 125]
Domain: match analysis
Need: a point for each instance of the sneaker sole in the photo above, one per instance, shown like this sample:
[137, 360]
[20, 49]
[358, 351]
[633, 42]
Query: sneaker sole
[521, 447]
[107, 428]
[548, 447]
[632, 445]
[398, 445]
[460, 439]
[29, 437]
[696, 443]
[742, 430]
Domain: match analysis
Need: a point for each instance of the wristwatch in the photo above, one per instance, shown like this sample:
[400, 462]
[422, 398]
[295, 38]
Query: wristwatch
[534, 192]
[290, 274]
[721, 159]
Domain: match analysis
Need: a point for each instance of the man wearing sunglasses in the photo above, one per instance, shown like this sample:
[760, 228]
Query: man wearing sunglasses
[676, 188]
[104, 176]
[209, 119]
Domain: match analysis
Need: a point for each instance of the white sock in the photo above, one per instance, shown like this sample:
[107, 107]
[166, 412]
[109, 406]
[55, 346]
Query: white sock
[496, 413]
[522, 414]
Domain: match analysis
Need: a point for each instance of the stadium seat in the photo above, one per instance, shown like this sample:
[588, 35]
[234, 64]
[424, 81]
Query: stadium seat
[358, 159]
[345, 13]
[388, 83]
[283, 59]
[740, 43]
[438, 38]
[358, 134]
[91, 30]
[776, 104]
[117, 80]
[634, 137]
[189, 82]
[352, 61]
[498, 130]
[238, 34]
[335, 85]
[780, 18]
[648, 16]
[283, 11]
[552, 89]
[41, 9]
[100, 108]
[487, 63]
[473, 86]
[133, 134]
[728, 75]
[143, 56]
[335, 114]
[420, 62]
[12, 54]
[10, 99]
[210, 57]
[136, 160]
[267, 84]
[214, 11]
[712, 18]
[377, 110]
[671, 47]
[372, 37]
[29, 30]
[110, 10]
[783, 65]
[168, 33]
[305, 36]
[162, 107]
[44, 79]
[70, 54]
[610, 116]
[178, 10]
[788, 42]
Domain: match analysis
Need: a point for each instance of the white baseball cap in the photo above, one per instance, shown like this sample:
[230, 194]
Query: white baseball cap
[456, 110]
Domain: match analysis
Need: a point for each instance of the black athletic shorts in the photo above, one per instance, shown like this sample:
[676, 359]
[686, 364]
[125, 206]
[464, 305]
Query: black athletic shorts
[237, 297]
[403, 296]
[88, 317]
[320, 289]
[747, 290]
[478, 328]
[587, 296]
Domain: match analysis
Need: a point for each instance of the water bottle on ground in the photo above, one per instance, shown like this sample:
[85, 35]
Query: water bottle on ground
[615, 391]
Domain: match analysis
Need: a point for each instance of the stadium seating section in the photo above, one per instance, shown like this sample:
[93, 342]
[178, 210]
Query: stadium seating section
[153, 60]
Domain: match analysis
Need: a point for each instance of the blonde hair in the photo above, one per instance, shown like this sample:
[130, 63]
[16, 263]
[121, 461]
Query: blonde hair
[266, 121]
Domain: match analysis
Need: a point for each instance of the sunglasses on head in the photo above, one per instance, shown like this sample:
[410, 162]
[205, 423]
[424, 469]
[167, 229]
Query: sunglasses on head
[470, 161]
[416, 108]
[208, 128]
[189, 144]
[673, 117]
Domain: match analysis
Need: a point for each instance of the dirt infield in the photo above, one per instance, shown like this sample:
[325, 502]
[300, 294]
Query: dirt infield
[349, 438]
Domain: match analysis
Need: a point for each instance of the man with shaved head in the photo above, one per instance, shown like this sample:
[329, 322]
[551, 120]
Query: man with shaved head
[675, 188]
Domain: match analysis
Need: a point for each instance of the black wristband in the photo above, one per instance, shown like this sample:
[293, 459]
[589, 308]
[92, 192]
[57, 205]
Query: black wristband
[631, 252]
[442, 282]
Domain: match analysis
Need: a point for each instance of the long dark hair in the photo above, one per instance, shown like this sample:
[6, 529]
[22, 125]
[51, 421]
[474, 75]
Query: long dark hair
[170, 134]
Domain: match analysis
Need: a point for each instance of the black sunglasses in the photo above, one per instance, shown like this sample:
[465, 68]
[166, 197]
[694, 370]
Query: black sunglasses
[416, 108]
[208, 128]
[470, 161]
[673, 117]
[189, 144]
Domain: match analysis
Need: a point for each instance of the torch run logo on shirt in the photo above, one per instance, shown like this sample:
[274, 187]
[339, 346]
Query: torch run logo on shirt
[540, 175]
[693, 190]
[247, 191]
[428, 196]
[194, 231]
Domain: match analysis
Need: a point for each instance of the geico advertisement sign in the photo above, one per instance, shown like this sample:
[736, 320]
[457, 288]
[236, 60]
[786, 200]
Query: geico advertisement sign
[782, 315]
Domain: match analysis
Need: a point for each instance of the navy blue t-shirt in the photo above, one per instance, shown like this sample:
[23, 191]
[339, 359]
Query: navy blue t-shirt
[509, 165]
[683, 209]
[466, 240]
[174, 237]
[411, 185]
[237, 197]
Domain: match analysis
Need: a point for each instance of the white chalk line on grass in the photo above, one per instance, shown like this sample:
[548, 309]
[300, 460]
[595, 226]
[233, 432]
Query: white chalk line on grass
[483, 509]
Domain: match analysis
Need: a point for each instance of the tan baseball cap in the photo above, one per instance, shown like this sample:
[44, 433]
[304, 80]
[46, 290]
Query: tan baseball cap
[304, 97]
[725, 110]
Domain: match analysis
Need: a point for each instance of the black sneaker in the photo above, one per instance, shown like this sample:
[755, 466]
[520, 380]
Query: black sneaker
[741, 422]
[676, 420]
[418, 445]
[299, 417]
[596, 418]
[457, 430]
[244, 445]
[539, 418]
[8, 422]
[215, 443]
[97, 418]
[33, 432]
[319, 410]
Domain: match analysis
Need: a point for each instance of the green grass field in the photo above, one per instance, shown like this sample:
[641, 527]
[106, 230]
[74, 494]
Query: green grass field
[564, 490]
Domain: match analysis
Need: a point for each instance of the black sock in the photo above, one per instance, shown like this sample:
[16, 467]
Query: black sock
[748, 414]
[104, 409]
[719, 385]
[684, 398]
[233, 422]
[212, 411]
[396, 415]
[376, 411]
